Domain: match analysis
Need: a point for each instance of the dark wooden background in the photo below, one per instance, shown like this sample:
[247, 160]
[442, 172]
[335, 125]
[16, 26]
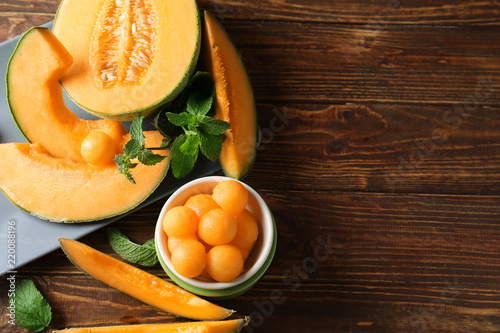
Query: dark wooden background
[381, 139]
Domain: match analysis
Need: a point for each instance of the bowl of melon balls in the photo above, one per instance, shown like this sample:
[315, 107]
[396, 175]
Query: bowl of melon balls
[215, 237]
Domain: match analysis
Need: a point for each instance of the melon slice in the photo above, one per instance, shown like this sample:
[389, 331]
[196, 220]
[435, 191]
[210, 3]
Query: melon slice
[60, 190]
[140, 284]
[36, 100]
[130, 56]
[235, 102]
[224, 326]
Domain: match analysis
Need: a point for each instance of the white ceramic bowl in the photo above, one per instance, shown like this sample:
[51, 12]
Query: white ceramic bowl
[257, 262]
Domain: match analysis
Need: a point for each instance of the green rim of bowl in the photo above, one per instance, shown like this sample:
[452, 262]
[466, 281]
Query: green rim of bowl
[222, 294]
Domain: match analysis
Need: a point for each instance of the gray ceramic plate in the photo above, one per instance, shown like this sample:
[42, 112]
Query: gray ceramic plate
[34, 237]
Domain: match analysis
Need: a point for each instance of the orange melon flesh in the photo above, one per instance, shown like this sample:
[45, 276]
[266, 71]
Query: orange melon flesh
[108, 39]
[226, 326]
[36, 99]
[61, 190]
[235, 101]
[140, 284]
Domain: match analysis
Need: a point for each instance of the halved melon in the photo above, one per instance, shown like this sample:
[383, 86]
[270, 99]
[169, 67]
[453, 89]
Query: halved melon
[130, 56]
[61, 190]
[36, 100]
[235, 102]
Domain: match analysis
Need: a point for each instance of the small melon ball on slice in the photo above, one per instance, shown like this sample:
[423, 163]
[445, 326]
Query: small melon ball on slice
[201, 204]
[189, 258]
[173, 242]
[180, 222]
[231, 195]
[98, 148]
[217, 227]
[246, 234]
[224, 263]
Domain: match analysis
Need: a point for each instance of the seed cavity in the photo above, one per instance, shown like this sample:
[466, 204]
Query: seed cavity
[122, 44]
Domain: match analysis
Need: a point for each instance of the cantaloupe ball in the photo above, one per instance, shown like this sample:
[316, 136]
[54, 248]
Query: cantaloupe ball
[173, 242]
[224, 263]
[180, 222]
[201, 204]
[231, 195]
[246, 233]
[98, 148]
[217, 227]
[189, 258]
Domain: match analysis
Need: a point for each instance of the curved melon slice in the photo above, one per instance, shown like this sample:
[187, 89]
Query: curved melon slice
[130, 56]
[140, 284]
[61, 190]
[235, 102]
[36, 101]
[220, 326]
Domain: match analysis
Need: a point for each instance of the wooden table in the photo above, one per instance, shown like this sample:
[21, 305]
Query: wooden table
[380, 160]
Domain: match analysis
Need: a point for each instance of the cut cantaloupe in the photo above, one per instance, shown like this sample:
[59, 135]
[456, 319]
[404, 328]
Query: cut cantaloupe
[235, 102]
[36, 100]
[61, 190]
[225, 326]
[130, 56]
[140, 284]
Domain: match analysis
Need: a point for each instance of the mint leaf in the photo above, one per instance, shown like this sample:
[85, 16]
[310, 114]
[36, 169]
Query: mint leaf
[132, 148]
[136, 130]
[33, 312]
[179, 119]
[181, 163]
[190, 146]
[199, 104]
[124, 166]
[213, 126]
[147, 157]
[144, 255]
[211, 145]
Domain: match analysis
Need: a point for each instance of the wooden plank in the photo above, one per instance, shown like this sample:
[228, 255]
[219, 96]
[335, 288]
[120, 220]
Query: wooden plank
[399, 262]
[380, 12]
[379, 148]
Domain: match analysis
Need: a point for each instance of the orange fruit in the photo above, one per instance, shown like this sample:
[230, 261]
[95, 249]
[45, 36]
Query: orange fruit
[98, 148]
[180, 222]
[247, 231]
[217, 227]
[224, 263]
[201, 204]
[189, 258]
[173, 242]
[231, 196]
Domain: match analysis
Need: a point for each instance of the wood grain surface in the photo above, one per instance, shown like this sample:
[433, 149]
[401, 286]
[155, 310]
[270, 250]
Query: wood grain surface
[380, 159]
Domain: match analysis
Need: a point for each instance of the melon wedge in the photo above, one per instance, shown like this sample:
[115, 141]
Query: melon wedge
[140, 284]
[61, 190]
[36, 101]
[130, 56]
[235, 102]
[225, 326]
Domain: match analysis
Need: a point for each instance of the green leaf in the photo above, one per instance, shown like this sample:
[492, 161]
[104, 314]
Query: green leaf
[124, 165]
[132, 148]
[136, 130]
[147, 157]
[213, 126]
[181, 163]
[190, 146]
[211, 145]
[179, 119]
[199, 104]
[33, 312]
[144, 255]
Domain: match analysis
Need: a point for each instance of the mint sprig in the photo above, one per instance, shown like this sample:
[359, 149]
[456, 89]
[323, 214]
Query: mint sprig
[190, 127]
[144, 255]
[135, 150]
[33, 312]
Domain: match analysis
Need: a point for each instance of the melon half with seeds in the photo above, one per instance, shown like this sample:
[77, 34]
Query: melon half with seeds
[129, 56]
